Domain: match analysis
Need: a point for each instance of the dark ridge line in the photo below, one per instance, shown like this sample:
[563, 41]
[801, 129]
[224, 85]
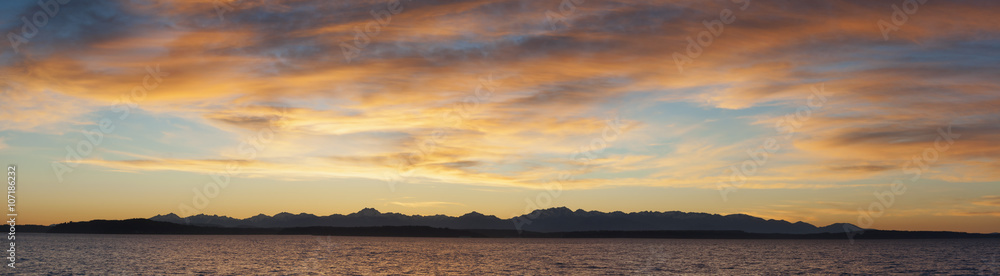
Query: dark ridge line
[150, 227]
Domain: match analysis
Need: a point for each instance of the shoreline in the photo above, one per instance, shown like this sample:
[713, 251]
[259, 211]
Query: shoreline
[148, 227]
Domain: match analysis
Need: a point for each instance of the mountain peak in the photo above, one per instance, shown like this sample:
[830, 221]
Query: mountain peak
[368, 212]
[473, 214]
[561, 209]
[283, 215]
[167, 216]
[555, 211]
[171, 217]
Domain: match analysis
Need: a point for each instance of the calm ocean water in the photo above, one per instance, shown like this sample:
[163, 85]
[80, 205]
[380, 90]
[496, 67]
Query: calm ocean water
[63, 254]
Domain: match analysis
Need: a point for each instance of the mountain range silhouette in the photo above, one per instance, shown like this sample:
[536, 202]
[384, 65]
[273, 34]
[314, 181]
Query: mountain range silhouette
[559, 219]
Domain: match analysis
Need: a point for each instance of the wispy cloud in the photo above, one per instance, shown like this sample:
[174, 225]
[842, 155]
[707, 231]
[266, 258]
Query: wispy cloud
[993, 201]
[423, 204]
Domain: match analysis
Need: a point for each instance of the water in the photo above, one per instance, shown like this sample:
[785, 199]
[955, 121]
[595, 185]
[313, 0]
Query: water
[62, 254]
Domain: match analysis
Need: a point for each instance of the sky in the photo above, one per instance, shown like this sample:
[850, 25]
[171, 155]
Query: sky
[884, 114]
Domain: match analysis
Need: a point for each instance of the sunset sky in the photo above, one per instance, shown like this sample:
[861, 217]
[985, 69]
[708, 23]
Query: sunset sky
[448, 107]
